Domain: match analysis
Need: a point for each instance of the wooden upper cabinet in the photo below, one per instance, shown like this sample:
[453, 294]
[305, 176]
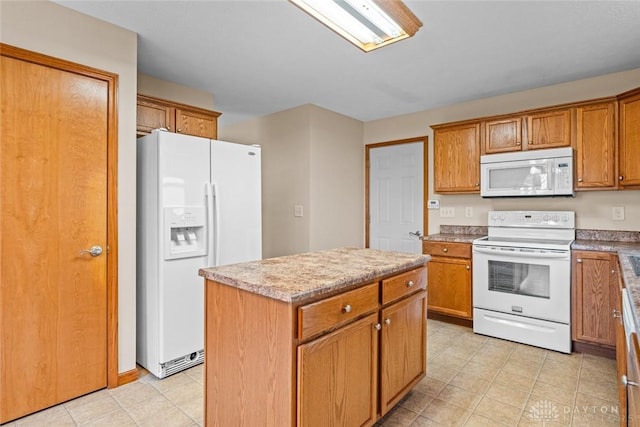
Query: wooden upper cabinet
[457, 158]
[192, 122]
[628, 157]
[549, 129]
[543, 129]
[503, 135]
[153, 113]
[595, 144]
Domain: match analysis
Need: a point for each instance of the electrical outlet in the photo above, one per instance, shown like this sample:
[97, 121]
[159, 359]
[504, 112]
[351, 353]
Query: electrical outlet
[617, 213]
[447, 212]
[298, 210]
[468, 212]
[433, 204]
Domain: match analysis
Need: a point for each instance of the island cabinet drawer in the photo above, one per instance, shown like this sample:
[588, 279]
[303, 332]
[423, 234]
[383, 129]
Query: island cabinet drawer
[450, 249]
[328, 313]
[403, 284]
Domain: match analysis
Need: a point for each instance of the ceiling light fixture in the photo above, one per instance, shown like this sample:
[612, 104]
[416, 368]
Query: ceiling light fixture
[368, 24]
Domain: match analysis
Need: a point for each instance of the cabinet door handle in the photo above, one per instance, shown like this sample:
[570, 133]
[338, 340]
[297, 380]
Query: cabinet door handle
[468, 267]
[445, 250]
[613, 271]
[387, 321]
[179, 130]
[169, 128]
[377, 326]
[579, 179]
[410, 283]
[625, 381]
[346, 309]
[620, 178]
[579, 260]
[616, 314]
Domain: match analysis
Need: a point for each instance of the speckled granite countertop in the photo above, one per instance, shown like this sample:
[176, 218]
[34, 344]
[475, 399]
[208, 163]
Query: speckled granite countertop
[458, 233]
[294, 278]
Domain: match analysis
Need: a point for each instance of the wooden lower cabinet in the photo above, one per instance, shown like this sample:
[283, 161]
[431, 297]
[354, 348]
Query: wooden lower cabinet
[343, 360]
[633, 376]
[449, 288]
[402, 349]
[337, 376]
[595, 296]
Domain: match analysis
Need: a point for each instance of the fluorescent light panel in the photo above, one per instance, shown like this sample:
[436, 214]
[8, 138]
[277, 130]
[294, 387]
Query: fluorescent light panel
[368, 24]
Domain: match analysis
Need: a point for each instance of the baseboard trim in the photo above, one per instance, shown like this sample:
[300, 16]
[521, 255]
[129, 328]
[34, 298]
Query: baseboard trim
[127, 377]
[595, 349]
[450, 319]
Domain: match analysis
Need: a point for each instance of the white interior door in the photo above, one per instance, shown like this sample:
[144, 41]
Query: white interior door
[396, 192]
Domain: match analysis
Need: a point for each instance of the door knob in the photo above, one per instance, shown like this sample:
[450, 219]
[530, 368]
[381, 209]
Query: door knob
[93, 251]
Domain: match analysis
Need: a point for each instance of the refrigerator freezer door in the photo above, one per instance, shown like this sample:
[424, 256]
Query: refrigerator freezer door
[184, 170]
[236, 177]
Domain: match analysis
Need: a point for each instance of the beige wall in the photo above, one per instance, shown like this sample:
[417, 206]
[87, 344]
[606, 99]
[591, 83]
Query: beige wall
[158, 88]
[313, 158]
[593, 209]
[54, 30]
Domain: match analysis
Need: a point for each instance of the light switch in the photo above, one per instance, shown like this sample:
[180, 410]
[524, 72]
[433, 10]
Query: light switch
[298, 211]
[447, 212]
[468, 212]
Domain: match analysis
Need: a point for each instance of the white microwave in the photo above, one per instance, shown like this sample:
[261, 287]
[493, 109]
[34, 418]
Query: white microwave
[527, 173]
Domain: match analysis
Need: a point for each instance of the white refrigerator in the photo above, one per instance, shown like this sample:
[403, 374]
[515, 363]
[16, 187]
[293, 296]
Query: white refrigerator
[199, 205]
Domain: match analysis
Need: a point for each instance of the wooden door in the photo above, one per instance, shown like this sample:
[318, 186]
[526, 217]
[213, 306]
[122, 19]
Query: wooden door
[595, 297]
[456, 152]
[549, 129]
[337, 377]
[595, 146]
[396, 196]
[503, 135]
[402, 348]
[53, 204]
[450, 286]
[629, 139]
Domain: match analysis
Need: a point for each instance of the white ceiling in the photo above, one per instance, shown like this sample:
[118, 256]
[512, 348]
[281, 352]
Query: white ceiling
[260, 57]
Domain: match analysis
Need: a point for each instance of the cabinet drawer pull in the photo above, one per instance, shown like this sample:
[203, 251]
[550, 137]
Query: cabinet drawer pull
[346, 309]
[410, 283]
[445, 250]
[377, 326]
[387, 321]
[579, 260]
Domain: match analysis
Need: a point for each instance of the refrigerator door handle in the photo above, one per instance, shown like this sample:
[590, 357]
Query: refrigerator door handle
[212, 225]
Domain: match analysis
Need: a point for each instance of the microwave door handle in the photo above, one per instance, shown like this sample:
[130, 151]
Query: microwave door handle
[520, 254]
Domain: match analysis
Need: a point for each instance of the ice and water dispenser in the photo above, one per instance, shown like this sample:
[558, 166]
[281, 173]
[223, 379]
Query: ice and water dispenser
[184, 232]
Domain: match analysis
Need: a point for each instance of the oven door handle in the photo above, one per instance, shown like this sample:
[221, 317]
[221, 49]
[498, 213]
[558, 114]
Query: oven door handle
[505, 252]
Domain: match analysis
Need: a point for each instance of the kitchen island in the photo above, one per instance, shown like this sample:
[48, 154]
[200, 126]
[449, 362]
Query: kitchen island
[334, 337]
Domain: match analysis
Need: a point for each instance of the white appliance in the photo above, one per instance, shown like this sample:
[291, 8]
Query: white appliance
[199, 205]
[522, 278]
[527, 173]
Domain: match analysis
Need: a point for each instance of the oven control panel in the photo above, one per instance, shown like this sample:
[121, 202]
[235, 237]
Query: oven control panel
[534, 219]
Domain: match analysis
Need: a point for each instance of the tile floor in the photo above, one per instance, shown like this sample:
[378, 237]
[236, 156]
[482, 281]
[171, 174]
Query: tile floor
[471, 380]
